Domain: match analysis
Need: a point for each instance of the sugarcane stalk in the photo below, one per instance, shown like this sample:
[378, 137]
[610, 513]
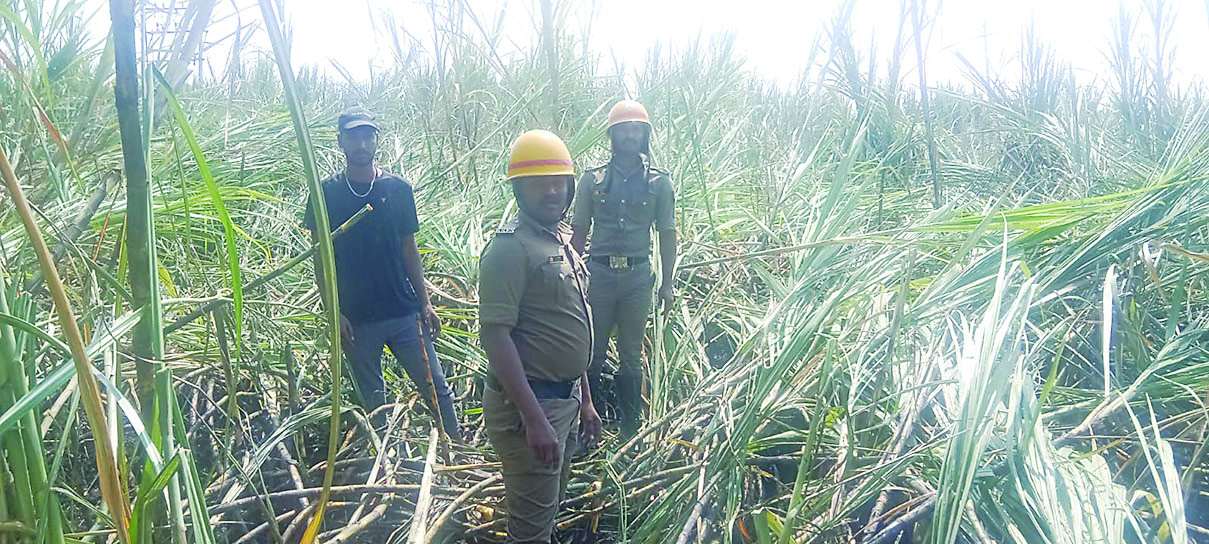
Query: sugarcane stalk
[74, 229]
[353, 529]
[281, 49]
[457, 503]
[113, 492]
[419, 521]
[11, 370]
[252, 536]
[28, 451]
[153, 378]
[238, 504]
[924, 104]
[432, 388]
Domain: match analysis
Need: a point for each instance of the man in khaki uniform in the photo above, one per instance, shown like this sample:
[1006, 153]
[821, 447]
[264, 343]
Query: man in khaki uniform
[536, 329]
[619, 203]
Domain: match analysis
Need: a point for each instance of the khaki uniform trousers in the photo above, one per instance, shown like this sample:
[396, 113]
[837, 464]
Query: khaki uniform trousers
[532, 492]
[622, 299]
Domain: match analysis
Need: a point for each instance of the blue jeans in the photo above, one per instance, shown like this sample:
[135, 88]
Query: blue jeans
[402, 334]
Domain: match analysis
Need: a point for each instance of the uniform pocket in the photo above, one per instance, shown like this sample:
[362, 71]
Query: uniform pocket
[563, 415]
[500, 414]
[559, 281]
[607, 209]
[640, 212]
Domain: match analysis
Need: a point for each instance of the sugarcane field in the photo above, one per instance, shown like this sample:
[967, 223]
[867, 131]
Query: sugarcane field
[580, 272]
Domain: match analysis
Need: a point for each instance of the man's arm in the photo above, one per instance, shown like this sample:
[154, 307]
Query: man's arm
[665, 223]
[667, 255]
[581, 216]
[579, 238]
[346, 328]
[589, 420]
[667, 258]
[407, 224]
[415, 274]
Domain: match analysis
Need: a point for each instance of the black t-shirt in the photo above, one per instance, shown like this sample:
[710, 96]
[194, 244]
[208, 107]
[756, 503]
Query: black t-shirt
[370, 277]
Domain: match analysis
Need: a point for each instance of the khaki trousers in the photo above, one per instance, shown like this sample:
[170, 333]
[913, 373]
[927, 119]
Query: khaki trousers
[532, 492]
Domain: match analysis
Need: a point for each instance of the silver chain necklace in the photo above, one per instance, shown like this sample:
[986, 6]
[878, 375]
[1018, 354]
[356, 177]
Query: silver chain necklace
[354, 192]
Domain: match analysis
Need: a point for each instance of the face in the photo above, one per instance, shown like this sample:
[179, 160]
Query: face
[629, 137]
[542, 197]
[359, 145]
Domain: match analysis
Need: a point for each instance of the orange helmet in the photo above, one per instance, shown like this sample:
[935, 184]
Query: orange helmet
[628, 110]
[539, 153]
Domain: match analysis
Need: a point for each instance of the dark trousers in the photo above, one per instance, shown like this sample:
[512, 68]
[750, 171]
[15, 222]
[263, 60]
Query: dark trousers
[403, 336]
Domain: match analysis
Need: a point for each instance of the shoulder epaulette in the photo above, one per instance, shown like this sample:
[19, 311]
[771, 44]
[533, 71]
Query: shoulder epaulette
[598, 173]
[507, 228]
[660, 171]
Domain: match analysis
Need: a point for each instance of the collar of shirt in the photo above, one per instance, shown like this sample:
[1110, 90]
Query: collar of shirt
[646, 168]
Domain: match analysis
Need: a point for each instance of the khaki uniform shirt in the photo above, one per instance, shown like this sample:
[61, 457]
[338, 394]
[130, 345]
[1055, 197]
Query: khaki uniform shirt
[620, 210]
[531, 279]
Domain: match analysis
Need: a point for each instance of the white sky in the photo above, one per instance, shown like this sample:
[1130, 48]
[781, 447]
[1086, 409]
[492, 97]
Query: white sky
[774, 36]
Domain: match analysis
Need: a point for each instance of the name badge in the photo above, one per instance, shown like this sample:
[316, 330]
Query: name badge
[555, 259]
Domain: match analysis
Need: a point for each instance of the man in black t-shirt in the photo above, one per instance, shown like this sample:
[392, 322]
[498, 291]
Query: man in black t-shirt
[379, 276]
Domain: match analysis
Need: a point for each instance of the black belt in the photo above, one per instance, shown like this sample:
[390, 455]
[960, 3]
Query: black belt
[542, 389]
[631, 262]
[546, 389]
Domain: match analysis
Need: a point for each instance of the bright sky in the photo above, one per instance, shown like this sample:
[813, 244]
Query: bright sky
[774, 36]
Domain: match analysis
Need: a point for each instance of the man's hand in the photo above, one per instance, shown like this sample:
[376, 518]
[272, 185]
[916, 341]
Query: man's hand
[666, 296]
[431, 319]
[346, 329]
[589, 424]
[543, 442]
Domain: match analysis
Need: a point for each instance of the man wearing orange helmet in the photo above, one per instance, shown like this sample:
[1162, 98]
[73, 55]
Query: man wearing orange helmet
[536, 328]
[619, 203]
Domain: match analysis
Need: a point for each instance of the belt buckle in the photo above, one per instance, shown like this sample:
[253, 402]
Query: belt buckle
[619, 261]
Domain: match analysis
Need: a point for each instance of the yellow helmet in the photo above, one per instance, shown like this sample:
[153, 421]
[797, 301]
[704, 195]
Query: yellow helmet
[628, 110]
[539, 153]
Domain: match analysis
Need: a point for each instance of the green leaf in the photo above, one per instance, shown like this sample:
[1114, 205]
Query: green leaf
[233, 269]
[56, 379]
[150, 487]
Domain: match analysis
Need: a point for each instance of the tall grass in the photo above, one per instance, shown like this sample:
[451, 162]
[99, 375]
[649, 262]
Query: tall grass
[153, 380]
[112, 489]
[847, 362]
[326, 256]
